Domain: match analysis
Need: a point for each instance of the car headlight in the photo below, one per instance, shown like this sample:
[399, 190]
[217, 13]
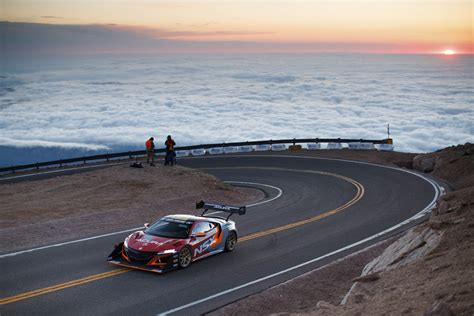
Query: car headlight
[167, 252]
[125, 243]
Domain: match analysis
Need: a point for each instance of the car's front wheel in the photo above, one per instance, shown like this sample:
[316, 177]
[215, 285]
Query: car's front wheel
[185, 257]
[231, 241]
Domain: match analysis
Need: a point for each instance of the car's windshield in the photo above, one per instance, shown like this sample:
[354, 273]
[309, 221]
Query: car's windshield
[171, 228]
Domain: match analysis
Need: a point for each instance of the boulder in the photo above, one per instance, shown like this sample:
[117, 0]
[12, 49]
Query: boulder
[424, 163]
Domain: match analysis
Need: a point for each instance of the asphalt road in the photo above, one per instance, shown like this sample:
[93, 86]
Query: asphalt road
[333, 204]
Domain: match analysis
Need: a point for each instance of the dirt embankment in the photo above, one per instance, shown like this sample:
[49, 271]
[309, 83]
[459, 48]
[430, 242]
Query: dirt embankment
[65, 207]
[427, 271]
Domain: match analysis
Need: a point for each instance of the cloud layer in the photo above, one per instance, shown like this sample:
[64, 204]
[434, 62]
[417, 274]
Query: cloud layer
[110, 102]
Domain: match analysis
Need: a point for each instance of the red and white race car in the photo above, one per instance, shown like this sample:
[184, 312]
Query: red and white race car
[175, 241]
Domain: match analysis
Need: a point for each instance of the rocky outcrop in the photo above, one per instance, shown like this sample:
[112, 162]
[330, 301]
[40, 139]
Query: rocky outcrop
[424, 163]
[454, 164]
[412, 246]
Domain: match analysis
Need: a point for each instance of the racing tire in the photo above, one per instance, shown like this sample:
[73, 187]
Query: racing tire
[231, 241]
[185, 257]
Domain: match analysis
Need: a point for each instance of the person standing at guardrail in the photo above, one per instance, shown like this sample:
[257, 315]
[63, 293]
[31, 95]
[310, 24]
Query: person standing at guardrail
[169, 143]
[150, 151]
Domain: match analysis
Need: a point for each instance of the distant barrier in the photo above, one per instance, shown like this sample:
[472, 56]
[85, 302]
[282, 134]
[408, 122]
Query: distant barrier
[216, 151]
[385, 147]
[231, 149]
[359, 145]
[278, 147]
[313, 146]
[263, 147]
[198, 152]
[226, 148]
[182, 153]
[334, 145]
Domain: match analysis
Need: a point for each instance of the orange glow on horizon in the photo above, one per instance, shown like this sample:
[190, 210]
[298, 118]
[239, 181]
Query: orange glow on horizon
[390, 26]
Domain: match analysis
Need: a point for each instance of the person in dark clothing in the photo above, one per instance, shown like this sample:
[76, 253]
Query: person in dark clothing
[170, 154]
[150, 151]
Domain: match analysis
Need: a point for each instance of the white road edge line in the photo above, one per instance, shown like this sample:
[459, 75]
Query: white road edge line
[427, 209]
[65, 243]
[61, 170]
[280, 192]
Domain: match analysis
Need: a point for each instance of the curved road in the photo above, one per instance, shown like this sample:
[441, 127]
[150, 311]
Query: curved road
[328, 209]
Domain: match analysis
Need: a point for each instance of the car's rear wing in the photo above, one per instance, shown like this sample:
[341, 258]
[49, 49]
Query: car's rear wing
[221, 207]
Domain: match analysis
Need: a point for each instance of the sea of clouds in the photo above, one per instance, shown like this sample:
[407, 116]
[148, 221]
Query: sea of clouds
[109, 102]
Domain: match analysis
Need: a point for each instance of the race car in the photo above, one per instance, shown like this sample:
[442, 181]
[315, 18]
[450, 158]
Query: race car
[175, 241]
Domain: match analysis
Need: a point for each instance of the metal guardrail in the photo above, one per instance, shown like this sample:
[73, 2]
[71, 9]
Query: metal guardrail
[133, 154]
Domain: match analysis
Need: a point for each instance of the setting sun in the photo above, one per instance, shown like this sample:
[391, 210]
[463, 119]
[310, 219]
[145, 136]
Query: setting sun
[449, 52]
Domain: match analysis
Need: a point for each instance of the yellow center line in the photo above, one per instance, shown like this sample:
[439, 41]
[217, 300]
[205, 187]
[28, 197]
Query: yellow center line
[108, 274]
[355, 199]
[61, 286]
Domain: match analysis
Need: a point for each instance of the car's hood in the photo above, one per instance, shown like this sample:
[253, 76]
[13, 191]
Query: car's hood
[145, 242]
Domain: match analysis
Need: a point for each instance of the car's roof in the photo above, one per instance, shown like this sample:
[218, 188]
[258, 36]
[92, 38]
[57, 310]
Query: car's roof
[184, 217]
[188, 217]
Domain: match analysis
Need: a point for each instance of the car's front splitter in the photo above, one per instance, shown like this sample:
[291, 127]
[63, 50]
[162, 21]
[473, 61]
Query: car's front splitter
[124, 263]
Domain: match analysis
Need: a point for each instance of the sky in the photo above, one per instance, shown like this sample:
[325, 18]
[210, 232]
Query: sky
[370, 26]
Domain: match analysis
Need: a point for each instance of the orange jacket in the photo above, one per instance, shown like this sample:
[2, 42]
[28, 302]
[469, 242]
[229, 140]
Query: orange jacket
[170, 144]
[149, 145]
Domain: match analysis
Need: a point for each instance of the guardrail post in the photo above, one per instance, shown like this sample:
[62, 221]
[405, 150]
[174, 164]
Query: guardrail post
[294, 141]
[84, 159]
[37, 166]
[60, 163]
[107, 157]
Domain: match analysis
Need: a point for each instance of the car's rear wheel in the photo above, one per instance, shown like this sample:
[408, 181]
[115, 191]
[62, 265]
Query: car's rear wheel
[231, 241]
[185, 257]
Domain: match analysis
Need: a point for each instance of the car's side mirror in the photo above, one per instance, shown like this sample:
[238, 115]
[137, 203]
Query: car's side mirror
[146, 225]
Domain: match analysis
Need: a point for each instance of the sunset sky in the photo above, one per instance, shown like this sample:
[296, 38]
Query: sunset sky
[378, 26]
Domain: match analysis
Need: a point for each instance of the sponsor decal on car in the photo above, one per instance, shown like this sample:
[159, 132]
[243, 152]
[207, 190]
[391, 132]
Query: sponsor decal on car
[203, 247]
[147, 239]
